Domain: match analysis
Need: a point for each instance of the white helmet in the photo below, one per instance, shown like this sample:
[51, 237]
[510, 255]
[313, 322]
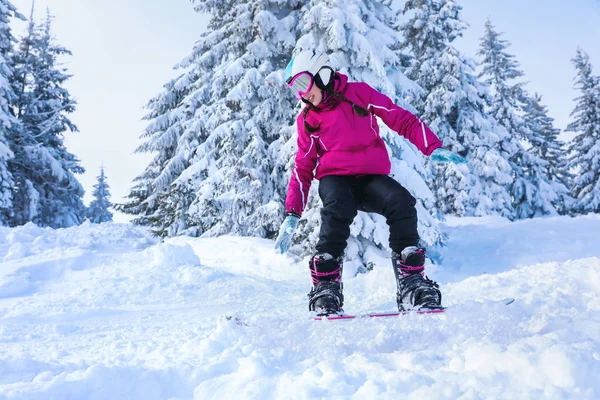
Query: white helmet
[313, 62]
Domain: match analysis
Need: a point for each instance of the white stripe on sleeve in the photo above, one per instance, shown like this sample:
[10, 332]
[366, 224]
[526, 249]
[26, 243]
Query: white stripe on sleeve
[301, 190]
[424, 134]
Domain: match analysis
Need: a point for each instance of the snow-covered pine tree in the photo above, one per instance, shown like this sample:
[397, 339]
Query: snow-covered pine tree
[98, 212]
[584, 149]
[546, 145]
[453, 104]
[218, 175]
[533, 191]
[499, 70]
[46, 189]
[362, 41]
[8, 123]
[161, 135]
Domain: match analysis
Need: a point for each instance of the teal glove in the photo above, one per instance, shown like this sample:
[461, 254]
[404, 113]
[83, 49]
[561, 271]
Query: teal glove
[443, 156]
[287, 230]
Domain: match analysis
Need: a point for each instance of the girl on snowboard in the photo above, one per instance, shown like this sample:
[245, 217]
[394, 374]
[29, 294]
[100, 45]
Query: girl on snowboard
[338, 136]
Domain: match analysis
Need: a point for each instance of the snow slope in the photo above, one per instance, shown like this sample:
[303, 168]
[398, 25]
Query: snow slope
[108, 312]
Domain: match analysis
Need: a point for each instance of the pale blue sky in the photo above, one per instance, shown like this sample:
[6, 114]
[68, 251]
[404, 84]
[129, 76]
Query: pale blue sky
[124, 51]
[544, 35]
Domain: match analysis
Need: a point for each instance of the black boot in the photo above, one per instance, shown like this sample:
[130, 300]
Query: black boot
[415, 290]
[326, 296]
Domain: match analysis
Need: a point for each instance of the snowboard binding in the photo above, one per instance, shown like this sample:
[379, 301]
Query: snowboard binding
[415, 290]
[326, 297]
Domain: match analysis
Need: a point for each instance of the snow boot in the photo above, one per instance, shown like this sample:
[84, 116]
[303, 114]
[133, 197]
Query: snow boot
[325, 297]
[415, 290]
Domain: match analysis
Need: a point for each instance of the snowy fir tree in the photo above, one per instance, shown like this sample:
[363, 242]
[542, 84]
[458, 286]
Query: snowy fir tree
[584, 149]
[161, 137]
[546, 145]
[46, 190]
[211, 130]
[533, 191]
[453, 103]
[499, 70]
[98, 212]
[8, 123]
[362, 41]
[545, 142]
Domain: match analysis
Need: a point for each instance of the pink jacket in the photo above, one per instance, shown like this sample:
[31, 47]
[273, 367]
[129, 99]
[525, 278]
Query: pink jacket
[348, 144]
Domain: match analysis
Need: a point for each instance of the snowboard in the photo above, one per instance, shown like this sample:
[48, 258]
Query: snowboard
[506, 302]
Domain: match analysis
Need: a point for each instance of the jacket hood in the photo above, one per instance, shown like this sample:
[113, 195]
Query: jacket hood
[340, 82]
[339, 85]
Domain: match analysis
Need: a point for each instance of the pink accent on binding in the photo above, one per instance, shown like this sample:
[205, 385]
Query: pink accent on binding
[411, 267]
[407, 270]
[317, 273]
[314, 273]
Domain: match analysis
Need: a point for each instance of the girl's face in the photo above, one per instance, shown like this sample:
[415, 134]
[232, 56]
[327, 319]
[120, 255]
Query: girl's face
[314, 95]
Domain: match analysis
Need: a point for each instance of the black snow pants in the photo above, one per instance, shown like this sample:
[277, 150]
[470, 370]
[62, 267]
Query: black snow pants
[344, 196]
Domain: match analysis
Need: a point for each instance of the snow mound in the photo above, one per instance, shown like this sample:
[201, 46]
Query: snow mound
[168, 254]
[32, 255]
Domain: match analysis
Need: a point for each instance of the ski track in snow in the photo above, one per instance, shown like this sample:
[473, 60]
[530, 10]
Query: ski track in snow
[108, 312]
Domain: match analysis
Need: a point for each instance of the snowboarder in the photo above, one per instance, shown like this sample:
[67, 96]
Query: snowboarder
[339, 136]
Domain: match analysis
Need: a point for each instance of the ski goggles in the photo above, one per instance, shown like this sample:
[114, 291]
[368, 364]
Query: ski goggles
[301, 84]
